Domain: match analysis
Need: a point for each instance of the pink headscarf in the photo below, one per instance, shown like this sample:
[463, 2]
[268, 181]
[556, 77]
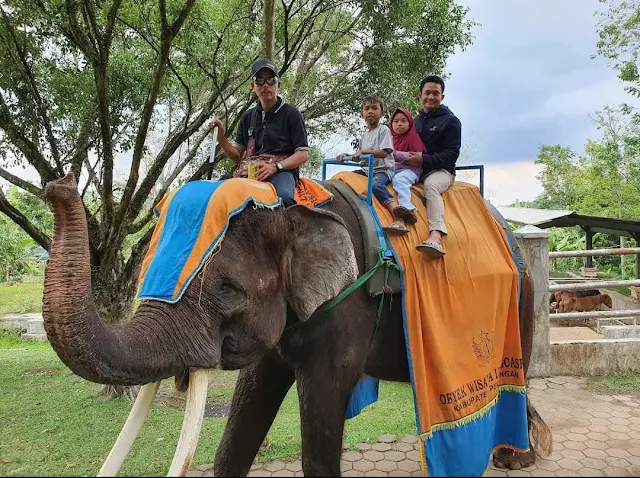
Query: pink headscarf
[409, 141]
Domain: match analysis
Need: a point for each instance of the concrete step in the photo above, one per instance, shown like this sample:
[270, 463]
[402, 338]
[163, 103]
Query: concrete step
[18, 321]
[33, 324]
[621, 331]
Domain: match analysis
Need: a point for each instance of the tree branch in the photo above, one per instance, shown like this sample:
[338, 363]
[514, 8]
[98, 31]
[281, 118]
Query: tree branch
[24, 144]
[268, 28]
[136, 227]
[111, 19]
[167, 36]
[24, 223]
[169, 63]
[77, 34]
[21, 183]
[30, 80]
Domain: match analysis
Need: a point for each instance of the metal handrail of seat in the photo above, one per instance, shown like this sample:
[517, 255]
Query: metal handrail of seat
[369, 157]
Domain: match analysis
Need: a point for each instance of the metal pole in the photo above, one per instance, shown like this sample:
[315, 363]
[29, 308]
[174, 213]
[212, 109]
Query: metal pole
[600, 314]
[212, 156]
[637, 238]
[596, 252]
[601, 284]
[370, 180]
[589, 244]
[482, 180]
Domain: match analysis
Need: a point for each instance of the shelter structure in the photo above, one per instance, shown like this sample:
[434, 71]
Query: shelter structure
[545, 218]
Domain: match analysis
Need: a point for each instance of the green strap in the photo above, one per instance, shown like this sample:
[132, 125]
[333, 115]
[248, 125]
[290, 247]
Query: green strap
[353, 286]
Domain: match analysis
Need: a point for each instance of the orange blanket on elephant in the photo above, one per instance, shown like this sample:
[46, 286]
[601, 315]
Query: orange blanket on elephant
[462, 333]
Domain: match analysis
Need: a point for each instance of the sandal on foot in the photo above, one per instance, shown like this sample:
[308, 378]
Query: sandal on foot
[395, 228]
[407, 215]
[431, 248]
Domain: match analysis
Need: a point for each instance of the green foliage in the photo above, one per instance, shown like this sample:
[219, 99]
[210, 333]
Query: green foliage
[565, 239]
[413, 38]
[604, 181]
[619, 31]
[558, 177]
[119, 93]
[313, 167]
[18, 252]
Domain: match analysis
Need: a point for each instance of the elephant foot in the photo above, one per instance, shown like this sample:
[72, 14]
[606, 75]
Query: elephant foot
[513, 460]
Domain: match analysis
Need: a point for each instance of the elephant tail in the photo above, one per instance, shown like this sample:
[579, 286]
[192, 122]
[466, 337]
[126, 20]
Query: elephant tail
[541, 439]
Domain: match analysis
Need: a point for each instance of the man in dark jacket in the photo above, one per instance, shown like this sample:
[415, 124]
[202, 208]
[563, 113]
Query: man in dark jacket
[440, 131]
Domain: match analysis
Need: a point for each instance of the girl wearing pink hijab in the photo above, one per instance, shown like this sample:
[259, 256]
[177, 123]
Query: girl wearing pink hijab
[405, 141]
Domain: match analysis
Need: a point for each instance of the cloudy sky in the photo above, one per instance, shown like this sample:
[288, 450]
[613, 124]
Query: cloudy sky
[527, 80]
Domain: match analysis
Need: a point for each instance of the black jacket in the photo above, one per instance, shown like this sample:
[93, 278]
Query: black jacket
[440, 132]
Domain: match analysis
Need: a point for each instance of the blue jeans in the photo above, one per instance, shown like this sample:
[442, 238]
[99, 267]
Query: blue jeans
[285, 184]
[380, 181]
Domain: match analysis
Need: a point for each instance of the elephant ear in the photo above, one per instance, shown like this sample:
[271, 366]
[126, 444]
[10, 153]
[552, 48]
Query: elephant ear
[318, 261]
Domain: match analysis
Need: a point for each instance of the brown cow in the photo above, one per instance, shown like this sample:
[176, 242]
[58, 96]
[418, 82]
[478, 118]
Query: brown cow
[584, 304]
[555, 296]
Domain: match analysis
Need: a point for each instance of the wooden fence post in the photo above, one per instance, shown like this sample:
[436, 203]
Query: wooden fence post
[535, 246]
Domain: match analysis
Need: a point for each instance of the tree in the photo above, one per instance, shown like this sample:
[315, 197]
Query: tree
[619, 31]
[118, 92]
[559, 177]
[605, 181]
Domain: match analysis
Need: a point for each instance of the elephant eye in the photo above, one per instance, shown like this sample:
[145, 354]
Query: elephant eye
[230, 288]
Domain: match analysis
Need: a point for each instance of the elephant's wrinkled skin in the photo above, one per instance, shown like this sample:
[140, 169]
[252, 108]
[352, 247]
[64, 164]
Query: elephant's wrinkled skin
[274, 268]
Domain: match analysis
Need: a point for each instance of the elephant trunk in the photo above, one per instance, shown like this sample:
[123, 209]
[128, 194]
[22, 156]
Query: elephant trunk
[129, 355]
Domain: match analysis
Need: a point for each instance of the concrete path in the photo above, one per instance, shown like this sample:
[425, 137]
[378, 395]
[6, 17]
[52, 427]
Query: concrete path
[594, 435]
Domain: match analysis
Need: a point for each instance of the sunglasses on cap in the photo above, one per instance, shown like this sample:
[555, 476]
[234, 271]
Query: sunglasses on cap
[259, 80]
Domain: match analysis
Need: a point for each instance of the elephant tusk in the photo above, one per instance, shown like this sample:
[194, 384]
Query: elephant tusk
[130, 430]
[193, 415]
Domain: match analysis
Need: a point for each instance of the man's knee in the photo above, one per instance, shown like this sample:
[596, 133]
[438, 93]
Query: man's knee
[434, 185]
[431, 188]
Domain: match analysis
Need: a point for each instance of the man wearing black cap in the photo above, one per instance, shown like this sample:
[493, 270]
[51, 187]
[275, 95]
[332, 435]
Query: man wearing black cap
[272, 134]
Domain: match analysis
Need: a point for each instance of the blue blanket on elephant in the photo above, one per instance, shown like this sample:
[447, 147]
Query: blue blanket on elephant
[192, 221]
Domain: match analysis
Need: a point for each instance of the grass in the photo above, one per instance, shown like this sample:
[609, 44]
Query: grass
[54, 423]
[20, 297]
[621, 383]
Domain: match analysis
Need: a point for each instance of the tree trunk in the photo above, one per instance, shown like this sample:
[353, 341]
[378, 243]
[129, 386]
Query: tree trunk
[269, 29]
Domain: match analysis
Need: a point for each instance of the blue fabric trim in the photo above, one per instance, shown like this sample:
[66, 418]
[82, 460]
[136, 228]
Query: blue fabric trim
[473, 437]
[477, 438]
[179, 236]
[364, 393]
[185, 215]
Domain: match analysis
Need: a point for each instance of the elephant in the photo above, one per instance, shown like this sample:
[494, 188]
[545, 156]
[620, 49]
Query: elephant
[231, 318]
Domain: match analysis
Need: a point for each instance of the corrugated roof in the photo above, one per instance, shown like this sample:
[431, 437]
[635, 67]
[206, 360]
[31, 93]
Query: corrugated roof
[527, 215]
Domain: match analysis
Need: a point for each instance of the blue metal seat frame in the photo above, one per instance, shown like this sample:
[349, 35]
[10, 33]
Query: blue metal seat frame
[348, 161]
